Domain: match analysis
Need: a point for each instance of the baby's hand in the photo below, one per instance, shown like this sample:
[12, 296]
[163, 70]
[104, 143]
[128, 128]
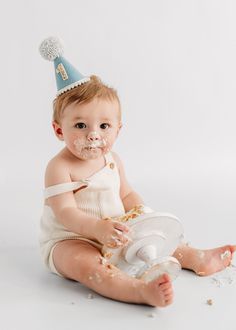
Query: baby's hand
[113, 234]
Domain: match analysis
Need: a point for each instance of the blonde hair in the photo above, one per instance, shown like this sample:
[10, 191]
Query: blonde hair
[83, 94]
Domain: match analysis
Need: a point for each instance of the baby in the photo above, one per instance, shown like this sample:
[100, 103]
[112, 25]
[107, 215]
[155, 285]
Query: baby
[86, 187]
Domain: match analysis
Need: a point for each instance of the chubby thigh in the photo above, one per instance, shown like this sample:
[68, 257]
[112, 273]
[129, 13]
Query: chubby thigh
[76, 260]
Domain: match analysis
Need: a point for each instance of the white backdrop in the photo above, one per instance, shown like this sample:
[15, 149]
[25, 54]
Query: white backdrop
[173, 64]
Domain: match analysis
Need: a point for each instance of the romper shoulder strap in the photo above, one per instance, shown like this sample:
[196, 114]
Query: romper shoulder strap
[109, 158]
[61, 188]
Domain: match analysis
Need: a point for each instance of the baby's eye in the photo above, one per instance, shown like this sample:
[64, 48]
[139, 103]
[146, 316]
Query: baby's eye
[80, 125]
[104, 126]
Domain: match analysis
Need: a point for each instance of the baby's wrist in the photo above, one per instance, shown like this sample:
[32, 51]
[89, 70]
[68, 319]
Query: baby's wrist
[146, 209]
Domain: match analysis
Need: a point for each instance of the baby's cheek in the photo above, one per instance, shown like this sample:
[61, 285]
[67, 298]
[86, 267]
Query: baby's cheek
[79, 143]
[108, 143]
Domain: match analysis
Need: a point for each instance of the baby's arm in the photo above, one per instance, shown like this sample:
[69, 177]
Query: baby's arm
[71, 217]
[128, 196]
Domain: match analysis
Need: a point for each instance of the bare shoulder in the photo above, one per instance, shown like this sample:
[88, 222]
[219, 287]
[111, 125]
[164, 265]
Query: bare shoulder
[57, 171]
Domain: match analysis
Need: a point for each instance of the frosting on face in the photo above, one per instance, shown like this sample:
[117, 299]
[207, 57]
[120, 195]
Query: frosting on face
[92, 146]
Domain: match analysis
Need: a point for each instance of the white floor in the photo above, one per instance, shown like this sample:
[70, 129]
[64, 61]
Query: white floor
[33, 299]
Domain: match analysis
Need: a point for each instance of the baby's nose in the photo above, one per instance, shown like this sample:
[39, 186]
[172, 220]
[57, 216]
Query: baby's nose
[93, 136]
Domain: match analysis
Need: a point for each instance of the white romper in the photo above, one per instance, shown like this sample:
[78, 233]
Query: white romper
[99, 197]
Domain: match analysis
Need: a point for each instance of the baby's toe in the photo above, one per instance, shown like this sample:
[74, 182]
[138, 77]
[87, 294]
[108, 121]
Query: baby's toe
[226, 255]
[169, 301]
[163, 279]
[165, 286]
[232, 248]
[168, 292]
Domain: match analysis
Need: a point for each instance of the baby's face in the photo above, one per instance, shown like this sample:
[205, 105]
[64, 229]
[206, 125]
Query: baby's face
[89, 130]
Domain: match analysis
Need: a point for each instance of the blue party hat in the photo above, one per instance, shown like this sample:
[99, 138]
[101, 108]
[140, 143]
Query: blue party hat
[67, 76]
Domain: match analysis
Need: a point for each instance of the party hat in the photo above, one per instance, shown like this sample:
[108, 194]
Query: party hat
[67, 76]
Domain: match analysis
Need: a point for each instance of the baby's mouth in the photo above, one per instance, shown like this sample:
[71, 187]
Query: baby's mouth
[91, 147]
[96, 144]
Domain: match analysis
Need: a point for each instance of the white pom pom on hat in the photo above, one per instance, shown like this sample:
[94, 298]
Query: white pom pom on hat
[67, 76]
[51, 48]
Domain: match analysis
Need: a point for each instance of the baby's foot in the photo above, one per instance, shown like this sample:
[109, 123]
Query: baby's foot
[211, 261]
[206, 262]
[158, 292]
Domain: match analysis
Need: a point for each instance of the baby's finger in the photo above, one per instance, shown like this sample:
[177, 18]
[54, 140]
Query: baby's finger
[122, 237]
[112, 245]
[121, 227]
[114, 242]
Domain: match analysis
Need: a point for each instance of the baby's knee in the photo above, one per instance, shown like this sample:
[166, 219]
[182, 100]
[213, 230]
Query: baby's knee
[88, 270]
[98, 270]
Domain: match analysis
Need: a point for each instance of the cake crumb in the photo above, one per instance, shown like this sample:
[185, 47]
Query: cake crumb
[152, 315]
[201, 254]
[98, 278]
[210, 302]
[112, 275]
[102, 260]
[225, 255]
[110, 266]
[108, 255]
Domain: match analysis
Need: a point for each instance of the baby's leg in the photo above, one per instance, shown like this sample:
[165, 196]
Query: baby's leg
[205, 262]
[80, 261]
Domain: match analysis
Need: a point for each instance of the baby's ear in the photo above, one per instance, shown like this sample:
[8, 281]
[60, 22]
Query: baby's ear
[119, 127]
[58, 130]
